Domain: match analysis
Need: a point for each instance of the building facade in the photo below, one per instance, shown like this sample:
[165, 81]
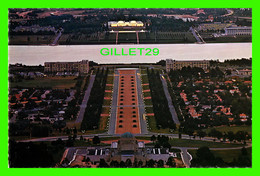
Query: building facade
[80, 66]
[126, 25]
[176, 65]
[238, 30]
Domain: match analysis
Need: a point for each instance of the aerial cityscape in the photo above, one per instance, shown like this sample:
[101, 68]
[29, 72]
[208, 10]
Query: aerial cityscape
[130, 88]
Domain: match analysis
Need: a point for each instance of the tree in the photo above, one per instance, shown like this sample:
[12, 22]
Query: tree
[96, 140]
[102, 164]
[204, 158]
[160, 164]
[170, 162]
[69, 142]
[167, 145]
[153, 138]
[81, 138]
[240, 136]
[122, 164]
[114, 164]
[140, 163]
[150, 163]
[201, 134]
[128, 163]
[230, 136]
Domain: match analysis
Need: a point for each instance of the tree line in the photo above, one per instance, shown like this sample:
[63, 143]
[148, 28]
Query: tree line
[160, 105]
[205, 158]
[94, 106]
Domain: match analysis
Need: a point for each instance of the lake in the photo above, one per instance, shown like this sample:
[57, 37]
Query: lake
[35, 55]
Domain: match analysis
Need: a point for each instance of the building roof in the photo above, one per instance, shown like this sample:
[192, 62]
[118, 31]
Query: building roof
[127, 135]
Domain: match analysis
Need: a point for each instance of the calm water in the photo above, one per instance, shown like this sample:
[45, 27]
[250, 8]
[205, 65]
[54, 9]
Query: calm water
[34, 55]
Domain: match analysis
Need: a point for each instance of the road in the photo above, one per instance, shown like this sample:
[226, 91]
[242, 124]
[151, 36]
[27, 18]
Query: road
[103, 135]
[169, 99]
[197, 35]
[85, 99]
[112, 120]
[143, 121]
[57, 38]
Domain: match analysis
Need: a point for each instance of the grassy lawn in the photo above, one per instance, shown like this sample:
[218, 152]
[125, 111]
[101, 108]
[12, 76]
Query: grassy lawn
[110, 79]
[79, 143]
[106, 102]
[108, 94]
[199, 143]
[32, 39]
[109, 87]
[146, 87]
[84, 83]
[105, 110]
[147, 94]
[103, 120]
[149, 110]
[226, 155]
[56, 82]
[143, 71]
[143, 138]
[153, 127]
[145, 79]
[109, 138]
[151, 123]
[232, 128]
[148, 102]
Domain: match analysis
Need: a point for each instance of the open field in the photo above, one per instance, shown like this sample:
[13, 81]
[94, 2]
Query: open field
[110, 79]
[56, 82]
[31, 39]
[148, 102]
[149, 110]
[226, 155]
[144, 79]
[153, 127]
[104, 119]
[232, 128]
[106, 102]
[146, 87]
[200, 143]
[147, 94]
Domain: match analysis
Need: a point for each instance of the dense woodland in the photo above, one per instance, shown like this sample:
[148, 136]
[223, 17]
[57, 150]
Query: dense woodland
[160, 105]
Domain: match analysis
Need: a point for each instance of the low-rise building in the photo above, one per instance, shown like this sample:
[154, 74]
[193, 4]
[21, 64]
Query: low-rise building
[238, 30]
[80, 66]
[175, 65]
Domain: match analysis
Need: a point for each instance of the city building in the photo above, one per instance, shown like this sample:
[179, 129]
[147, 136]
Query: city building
[125, 25]
[126, 148]
[245, 72]
[175, 65]
[238, 30]
[80, 66]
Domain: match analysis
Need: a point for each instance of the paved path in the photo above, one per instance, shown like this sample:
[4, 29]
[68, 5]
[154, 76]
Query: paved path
[57, 39]
[169, 99]
[84, 103]
[185, 156]
[112, 120]
[143, 121]
[197, 35]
